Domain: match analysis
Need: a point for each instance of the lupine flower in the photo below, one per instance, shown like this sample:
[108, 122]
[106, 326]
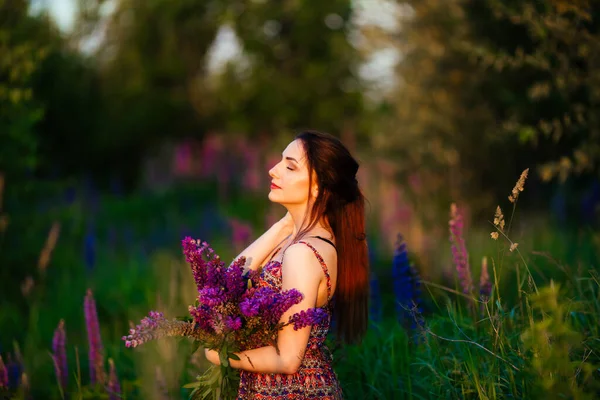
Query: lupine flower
[312, 316]
[15, 368]
[70, 195]
[156, 326]
[240, 233]
[485, 286]
[96, 353]
[59, 354]
[459, 249]
[114, 388]
[406, 286]
[89, 248]
[232, 311]
[3, 374]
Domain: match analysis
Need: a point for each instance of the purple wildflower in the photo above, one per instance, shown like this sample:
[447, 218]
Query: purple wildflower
[312, 316]
[96, 354]
[233, 323]
[59, 354]
[241, 233]
[283, 302]
[156, 326]
[407, 284]
[3, 374]
[114, 388]
[212, 296]
[459, 249]
[235, 283]
[193, 256]
[485, 286]
[14, 368]
[202, 316]
[258, 301]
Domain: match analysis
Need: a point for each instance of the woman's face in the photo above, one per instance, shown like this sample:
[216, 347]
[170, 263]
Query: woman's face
[289, 177]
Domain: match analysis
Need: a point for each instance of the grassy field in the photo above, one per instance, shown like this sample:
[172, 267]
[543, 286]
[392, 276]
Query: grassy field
[535, 336]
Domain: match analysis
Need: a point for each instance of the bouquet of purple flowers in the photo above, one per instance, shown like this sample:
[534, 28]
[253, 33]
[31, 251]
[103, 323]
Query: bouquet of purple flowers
[233, 312]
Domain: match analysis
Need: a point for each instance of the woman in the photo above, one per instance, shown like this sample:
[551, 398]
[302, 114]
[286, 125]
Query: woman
[318, 248]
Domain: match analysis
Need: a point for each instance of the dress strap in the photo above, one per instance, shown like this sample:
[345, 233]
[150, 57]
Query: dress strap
[325, 240]
[323, 265]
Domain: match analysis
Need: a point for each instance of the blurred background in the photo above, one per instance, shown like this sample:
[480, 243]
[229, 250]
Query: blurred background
[126, 125]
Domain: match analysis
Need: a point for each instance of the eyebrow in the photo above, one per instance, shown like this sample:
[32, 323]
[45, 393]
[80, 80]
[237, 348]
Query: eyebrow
[292, 159]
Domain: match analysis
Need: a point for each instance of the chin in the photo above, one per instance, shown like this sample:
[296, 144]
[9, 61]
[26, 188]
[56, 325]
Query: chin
[273, 197]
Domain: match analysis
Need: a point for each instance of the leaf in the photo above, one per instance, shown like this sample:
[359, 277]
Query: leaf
[195, 346]
[234, 356]
[192, 385]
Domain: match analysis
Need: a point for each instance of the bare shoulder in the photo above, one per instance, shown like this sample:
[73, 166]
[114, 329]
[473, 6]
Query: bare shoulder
[327, 252]
[299, 259]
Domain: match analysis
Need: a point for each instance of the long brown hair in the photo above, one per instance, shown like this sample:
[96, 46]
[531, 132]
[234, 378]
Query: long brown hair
[341, 202]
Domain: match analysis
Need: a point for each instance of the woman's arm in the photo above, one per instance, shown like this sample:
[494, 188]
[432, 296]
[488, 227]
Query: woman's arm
[258, 251]
[301, 271]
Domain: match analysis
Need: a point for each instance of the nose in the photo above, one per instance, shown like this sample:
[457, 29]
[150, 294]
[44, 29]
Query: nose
[273, 170]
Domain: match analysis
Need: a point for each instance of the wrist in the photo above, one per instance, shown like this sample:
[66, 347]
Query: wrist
[283, 228]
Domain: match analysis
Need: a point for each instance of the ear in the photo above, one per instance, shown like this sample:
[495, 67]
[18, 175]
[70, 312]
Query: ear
[315, 192]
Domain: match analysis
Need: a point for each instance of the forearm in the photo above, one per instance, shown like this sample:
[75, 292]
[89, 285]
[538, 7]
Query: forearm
[258, 251]
[265, 360]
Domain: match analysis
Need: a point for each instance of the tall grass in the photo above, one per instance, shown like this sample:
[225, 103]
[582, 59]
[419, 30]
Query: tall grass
[534, 336]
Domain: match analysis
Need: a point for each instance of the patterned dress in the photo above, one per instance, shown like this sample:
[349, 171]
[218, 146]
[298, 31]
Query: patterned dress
[315, 378]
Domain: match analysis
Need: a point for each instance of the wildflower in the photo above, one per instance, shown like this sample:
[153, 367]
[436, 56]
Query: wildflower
[89, 248]
[59, 354]
[459, 249]
[514, 246]
[312, 316]
[406, 285]
[114, 388]
[519, 186]
[14, 369]
[485, 286]
[96, 354]
[494, 235]
[156, 326]
[241, 233]
[233, 311]
[3, 374]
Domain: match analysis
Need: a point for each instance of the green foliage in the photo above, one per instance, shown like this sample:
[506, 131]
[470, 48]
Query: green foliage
[551, 340]
[20, 58]
[510, 81]
[297, 70]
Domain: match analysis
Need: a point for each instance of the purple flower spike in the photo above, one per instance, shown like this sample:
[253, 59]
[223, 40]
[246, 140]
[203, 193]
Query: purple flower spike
[3, 374]
[96, 354]
[459, 249]
[59, 354]
[114, 388]
[233, 323]
[312, 316]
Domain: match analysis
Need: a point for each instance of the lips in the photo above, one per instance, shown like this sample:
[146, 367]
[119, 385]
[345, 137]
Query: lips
[274, 186]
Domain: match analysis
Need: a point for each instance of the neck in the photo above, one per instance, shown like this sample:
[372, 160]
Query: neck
[297, 213]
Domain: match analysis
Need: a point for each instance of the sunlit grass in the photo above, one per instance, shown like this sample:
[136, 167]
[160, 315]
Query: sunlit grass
[462, 351]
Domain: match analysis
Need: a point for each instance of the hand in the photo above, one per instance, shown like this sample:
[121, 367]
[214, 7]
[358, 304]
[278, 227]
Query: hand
[212, 356]
[287, 223]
